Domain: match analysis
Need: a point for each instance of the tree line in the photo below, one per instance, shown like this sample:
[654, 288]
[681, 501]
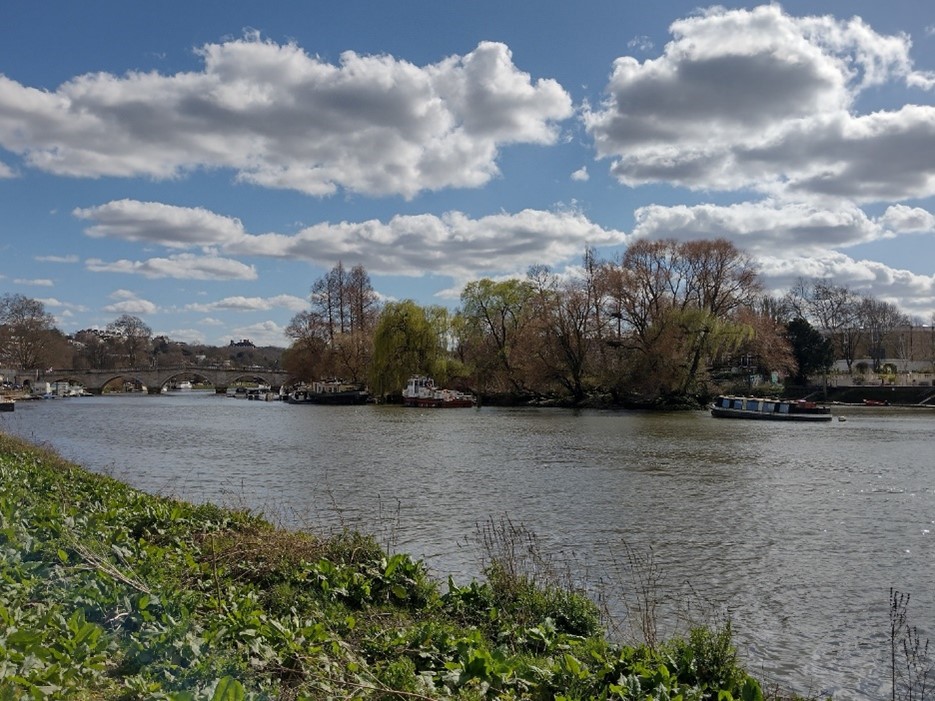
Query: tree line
[653, 324]
[29, 340]
[660, 322]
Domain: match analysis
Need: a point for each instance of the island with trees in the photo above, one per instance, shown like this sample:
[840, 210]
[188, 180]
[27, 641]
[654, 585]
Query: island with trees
[664, 324]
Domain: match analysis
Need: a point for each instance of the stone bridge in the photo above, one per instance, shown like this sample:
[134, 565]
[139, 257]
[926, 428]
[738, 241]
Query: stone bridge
[158, 377]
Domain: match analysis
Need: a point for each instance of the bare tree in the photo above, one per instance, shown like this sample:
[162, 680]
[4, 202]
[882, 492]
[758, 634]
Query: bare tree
[335, 336]
[676, 305]
[834, 309]
[135, 338]
[880, 320]
[566, 324]
[27, 332]
[95, 348]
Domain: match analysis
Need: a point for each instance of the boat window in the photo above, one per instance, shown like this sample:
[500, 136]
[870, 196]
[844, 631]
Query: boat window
[738, 404]
[783, 408]
[753, 405]
[769, 406]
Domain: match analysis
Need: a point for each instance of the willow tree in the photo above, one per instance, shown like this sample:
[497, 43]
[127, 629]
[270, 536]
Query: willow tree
[405, 343]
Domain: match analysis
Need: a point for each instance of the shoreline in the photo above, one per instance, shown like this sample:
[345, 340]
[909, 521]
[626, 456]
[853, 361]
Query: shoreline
[166, 596]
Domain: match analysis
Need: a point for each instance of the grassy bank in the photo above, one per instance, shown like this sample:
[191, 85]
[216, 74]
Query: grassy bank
[109, 593]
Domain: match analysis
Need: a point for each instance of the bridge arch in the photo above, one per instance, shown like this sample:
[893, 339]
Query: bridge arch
[127, 377]
[185, 374]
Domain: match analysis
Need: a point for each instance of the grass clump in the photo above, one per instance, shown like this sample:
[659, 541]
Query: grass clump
[109, 593]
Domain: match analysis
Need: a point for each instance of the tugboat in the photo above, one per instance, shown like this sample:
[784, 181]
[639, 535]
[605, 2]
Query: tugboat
[421, 392]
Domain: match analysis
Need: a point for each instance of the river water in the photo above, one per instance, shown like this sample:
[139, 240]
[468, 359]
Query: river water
[795, 532]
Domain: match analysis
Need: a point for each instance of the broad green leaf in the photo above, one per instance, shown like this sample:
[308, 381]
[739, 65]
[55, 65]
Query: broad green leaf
[229, 689]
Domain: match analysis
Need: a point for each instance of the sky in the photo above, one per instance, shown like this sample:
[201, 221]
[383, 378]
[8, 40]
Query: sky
[200, 164]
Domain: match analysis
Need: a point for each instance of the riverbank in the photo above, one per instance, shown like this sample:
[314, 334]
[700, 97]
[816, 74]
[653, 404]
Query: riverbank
[112, 593]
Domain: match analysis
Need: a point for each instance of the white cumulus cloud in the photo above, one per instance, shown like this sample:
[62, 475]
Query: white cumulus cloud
[252, 304]
[760, 99]
[184, 266]
[450, 244]
[279, 117]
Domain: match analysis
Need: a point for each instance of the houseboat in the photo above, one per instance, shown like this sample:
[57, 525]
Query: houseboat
[730, 407]
[332, 392]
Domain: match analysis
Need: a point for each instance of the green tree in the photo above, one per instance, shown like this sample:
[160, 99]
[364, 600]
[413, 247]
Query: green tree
[813, 352]
[497, 316]
[405, 343]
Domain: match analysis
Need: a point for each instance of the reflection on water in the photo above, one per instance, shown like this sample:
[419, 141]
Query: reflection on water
[795, 531]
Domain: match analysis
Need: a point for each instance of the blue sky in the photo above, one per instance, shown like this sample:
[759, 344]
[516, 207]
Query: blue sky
[199, 165]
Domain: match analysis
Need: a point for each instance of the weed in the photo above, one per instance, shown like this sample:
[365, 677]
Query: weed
[910, 664]
[528, 586]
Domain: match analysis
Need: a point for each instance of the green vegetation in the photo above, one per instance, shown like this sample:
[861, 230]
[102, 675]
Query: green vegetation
[109, 593]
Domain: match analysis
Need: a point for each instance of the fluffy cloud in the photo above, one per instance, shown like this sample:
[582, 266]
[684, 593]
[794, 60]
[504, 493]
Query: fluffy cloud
[281, 118]
[127, 302]
[163, 224]
[252, 304]
[452, 244]
[132, 306]
[183, 266]
[760, 99]
[762, 227]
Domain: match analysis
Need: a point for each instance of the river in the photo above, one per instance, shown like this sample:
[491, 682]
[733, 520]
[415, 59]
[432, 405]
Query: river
[796, 532]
